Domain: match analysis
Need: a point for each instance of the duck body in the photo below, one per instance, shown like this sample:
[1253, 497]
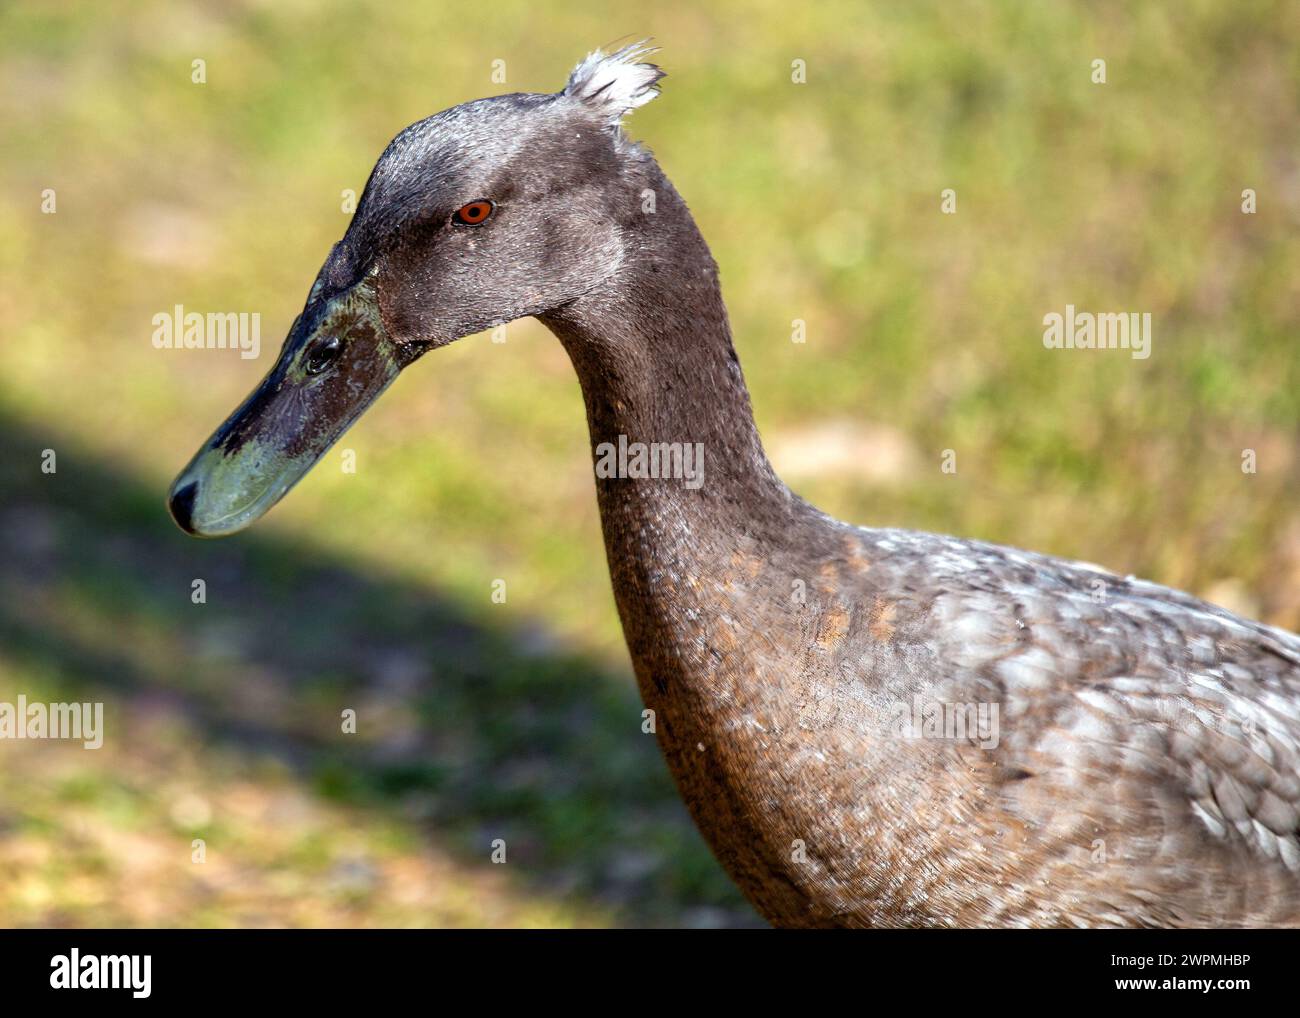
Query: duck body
[870, 727]
[1139, 771]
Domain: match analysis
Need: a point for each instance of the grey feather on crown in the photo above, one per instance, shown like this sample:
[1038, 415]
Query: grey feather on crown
[614, 84]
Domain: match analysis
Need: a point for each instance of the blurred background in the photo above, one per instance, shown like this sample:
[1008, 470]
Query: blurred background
[372, 590]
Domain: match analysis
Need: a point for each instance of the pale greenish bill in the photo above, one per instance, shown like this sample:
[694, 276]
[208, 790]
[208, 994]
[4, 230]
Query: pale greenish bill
[291, 419]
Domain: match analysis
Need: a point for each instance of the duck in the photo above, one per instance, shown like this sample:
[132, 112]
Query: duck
[871, 727]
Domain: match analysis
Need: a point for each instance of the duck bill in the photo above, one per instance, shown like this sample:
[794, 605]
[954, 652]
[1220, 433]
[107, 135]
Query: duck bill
[292, 418]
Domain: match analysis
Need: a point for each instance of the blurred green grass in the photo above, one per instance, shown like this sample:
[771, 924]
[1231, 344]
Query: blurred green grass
[821, 202]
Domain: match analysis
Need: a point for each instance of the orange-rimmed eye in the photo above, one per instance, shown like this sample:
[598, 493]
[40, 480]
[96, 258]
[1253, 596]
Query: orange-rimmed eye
[474, 213]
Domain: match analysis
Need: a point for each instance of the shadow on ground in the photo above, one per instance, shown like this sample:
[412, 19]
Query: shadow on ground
[476, 731]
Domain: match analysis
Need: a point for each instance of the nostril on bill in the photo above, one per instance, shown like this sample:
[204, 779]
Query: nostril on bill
[181, 505]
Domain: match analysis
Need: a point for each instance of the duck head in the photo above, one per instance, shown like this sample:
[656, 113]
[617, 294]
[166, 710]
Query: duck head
[487, 212]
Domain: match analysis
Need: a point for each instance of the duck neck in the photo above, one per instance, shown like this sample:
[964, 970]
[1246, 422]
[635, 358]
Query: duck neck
[661, 381]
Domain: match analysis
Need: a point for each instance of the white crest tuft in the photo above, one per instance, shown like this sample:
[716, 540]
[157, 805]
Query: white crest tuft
[614, 84]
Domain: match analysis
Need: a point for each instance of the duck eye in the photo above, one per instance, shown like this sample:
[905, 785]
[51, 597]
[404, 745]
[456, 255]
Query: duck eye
[322, 355]
[474, 213]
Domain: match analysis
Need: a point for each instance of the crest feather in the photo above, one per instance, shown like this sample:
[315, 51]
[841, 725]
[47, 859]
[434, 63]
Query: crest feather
[614, 84]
